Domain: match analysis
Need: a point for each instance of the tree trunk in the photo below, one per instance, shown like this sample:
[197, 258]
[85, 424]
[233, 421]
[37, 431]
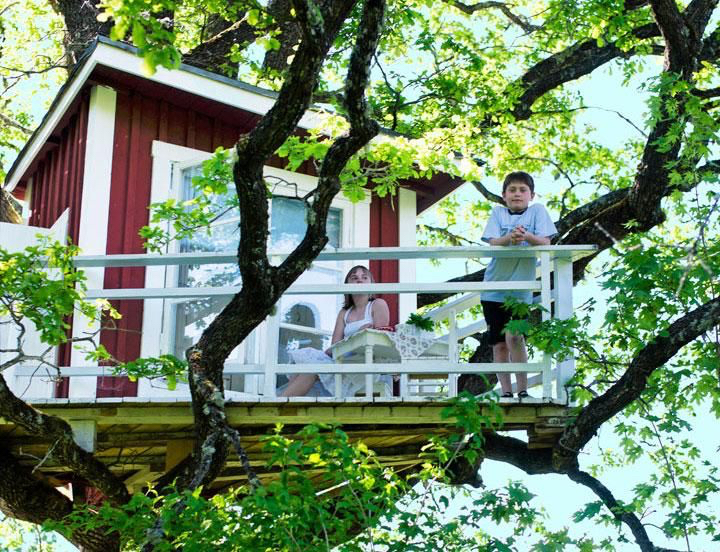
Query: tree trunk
[8, 213]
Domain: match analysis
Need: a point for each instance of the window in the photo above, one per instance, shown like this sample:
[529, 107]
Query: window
[287, 224]
[304, 320]
[192, 317]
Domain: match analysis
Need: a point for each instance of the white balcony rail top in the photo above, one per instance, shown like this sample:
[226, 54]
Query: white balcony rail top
[312, 289]
[573, 252]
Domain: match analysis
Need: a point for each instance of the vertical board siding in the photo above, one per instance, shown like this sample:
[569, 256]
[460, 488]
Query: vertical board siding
[57, 185]
[57, 179]
[385, 232]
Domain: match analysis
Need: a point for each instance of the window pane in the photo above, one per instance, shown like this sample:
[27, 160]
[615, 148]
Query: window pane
[192, 317]
[287, 230]
[288, 224]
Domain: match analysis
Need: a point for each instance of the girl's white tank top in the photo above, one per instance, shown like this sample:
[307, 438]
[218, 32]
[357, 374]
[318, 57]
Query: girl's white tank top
[354, 327]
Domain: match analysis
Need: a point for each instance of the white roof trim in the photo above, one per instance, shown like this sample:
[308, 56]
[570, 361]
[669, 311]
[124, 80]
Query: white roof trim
[182, 79]
[48, 125]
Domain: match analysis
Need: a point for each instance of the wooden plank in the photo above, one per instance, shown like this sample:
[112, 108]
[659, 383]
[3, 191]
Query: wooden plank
[176, 452]
[265, 415]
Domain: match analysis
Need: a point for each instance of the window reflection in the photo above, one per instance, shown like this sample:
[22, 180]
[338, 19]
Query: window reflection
[287, 228]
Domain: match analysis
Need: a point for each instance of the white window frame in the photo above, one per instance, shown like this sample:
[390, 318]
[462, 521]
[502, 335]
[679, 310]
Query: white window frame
[167, 162]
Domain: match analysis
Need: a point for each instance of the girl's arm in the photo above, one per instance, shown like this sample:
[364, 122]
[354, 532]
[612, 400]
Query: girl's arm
[337, 332]
[339, 327]
[380, 313]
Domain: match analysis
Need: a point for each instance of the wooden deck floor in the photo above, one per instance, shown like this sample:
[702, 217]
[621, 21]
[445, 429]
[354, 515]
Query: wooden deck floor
[141, 439]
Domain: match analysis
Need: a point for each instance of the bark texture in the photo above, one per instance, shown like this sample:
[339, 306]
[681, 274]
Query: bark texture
[7, 209]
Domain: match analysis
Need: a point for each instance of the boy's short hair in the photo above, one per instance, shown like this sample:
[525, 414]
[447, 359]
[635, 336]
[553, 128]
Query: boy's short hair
[519, 176]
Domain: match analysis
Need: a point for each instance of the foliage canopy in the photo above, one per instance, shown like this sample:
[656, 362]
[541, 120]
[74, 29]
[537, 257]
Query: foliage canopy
[474, 90]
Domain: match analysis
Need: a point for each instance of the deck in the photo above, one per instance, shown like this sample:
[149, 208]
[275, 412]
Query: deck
[141, 439]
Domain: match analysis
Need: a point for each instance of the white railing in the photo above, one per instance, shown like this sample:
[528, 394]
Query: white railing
[555, 262]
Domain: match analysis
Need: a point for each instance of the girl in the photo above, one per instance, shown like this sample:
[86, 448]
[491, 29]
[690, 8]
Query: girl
[359, 311]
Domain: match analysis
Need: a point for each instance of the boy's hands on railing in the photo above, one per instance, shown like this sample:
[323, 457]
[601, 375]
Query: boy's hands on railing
[520, 234]
[516, 236]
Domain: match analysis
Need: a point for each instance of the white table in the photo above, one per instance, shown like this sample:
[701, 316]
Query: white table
[369, 346]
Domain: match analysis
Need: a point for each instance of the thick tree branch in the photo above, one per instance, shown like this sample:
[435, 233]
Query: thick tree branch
[289, 37]
[617, 510]
[25, 497]
[312, 22]
[697, 15]
[514, 451]
[362, 130]
[294, 96]
[680, 39]
[590, 209]
[234, 323]
[568, 65]
[82, 26]
[632, 383]
[212, 54]
[82, 462]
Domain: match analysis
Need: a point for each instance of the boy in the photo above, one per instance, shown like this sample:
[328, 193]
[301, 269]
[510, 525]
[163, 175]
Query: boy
[517, 223]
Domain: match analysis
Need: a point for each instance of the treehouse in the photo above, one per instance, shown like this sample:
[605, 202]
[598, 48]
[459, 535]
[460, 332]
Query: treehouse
[116, 140]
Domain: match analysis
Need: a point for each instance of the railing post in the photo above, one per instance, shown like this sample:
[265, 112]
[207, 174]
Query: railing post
[338, 385]
[404, 385]
[368, 377]
[545, 301]
[251, 380]
[563, 311]
[272, 336]
[453, 355]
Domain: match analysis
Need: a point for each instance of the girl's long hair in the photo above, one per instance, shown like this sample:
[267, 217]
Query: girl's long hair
[348, 298]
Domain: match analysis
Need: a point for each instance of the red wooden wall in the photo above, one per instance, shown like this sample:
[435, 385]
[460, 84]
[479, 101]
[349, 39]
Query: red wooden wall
[385, 232]
[57, 181]
[140, 119]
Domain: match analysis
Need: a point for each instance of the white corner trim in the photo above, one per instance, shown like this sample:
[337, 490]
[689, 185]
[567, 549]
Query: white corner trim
[94, 210]
[407, 237]
[166, 152]
[95, 207]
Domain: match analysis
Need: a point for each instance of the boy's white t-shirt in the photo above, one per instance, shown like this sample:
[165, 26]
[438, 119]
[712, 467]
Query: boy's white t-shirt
[537, 221]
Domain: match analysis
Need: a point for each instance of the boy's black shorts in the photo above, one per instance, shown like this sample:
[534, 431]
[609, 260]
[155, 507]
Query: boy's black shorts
[497, 317]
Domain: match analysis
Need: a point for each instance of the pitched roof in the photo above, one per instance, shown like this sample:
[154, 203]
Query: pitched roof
[122, 57]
